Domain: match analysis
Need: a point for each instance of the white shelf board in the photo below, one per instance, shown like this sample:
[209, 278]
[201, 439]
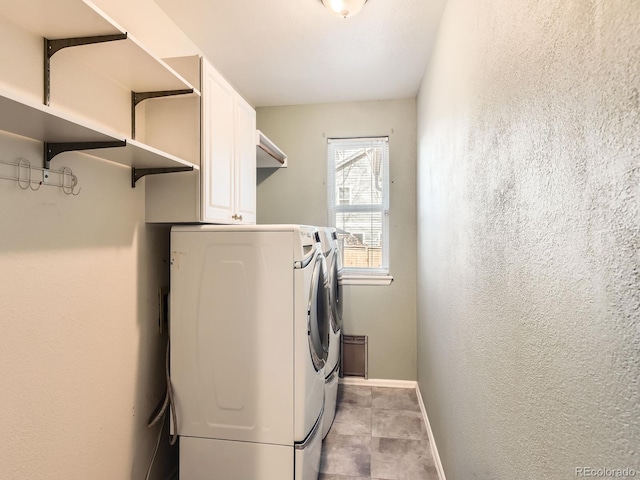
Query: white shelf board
[122, 61]
[127, 62]
[27, 118]
[268, 155]
[139, 155]
[55, 19]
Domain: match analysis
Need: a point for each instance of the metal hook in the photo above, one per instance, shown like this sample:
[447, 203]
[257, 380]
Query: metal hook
[69, 188]
[32, 182]
[24, 163]
[75, 182]
[24, 183]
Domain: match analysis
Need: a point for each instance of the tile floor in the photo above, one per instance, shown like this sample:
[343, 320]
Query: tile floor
[378, 433]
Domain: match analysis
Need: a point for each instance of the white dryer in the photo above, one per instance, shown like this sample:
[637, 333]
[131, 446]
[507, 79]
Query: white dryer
[249, 341]
[331, 251]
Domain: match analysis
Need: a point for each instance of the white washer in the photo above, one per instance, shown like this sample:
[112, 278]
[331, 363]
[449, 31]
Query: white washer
[330, 249]
[249, 340]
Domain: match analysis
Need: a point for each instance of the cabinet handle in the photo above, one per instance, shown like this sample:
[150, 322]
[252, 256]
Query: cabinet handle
[236, 217]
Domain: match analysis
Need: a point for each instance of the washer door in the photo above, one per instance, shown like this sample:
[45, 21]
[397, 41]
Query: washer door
[335, 294]
[318, 314]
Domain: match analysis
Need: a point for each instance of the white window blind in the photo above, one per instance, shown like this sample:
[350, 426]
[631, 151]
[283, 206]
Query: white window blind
[358, 202]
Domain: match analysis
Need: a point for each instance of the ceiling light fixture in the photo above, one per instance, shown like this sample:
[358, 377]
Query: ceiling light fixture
[344, 8]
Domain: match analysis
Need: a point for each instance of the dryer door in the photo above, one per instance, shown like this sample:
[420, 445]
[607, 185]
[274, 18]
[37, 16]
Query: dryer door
[335, 293]
[318, 313]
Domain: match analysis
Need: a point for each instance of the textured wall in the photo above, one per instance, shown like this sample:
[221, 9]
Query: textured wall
[529, 238]
[298, 194]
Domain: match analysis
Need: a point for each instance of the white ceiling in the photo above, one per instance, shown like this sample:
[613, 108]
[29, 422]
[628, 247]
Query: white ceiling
[291, 52]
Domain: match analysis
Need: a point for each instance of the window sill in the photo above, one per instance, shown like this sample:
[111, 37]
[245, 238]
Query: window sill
[366, 280]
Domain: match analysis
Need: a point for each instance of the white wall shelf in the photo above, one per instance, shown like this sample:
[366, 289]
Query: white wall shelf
[138, 97]
[127, 62]
[140, 155]
[268, 154]
[24, 117]
[123, 60]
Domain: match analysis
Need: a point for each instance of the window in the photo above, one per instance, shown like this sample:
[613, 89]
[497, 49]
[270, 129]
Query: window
[344, 197]
[358, 202]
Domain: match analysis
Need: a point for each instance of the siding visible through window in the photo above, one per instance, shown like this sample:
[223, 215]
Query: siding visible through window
[358, 202]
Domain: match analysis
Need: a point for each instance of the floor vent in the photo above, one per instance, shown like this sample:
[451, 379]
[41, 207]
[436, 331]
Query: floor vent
[355, 356]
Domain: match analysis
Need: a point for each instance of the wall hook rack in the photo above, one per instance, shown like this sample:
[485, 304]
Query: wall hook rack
[23, 175]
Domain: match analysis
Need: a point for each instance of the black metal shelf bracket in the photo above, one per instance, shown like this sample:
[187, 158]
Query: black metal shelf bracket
[51, 149]
[138, 173]
[137, 97]
[53, 46]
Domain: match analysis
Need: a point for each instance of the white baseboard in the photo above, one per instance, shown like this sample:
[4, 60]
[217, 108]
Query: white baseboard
[432, 441]
[378, 382]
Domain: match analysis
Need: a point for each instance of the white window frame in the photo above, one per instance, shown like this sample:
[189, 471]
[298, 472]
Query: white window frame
[373, 276]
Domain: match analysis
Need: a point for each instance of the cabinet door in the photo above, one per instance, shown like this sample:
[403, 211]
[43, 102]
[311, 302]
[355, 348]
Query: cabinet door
[217, 169]
[245, 170]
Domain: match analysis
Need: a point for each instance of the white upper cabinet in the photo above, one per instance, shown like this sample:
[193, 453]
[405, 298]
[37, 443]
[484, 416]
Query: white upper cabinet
[245, 162]
[223, 191]
[218, 155]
